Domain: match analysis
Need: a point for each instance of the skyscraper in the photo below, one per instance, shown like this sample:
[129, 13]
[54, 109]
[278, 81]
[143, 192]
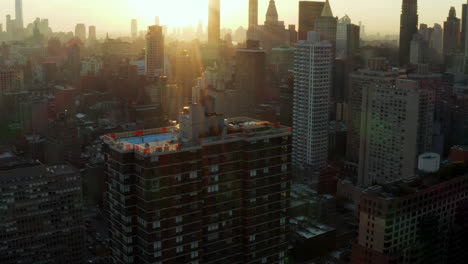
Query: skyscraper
[408, 27]
[342, 34]
[214, 23]
[251, 75]
[272, 14]
[211, 190]
[326, 25]
[451, 32]
[154, 51]
[273, 33]
[396, 126]
[134, 28]
[80, 32]
[353, 39]
[92, 34]
[309, 11]
[464, 27]
[376, 74]
[312, 85]
[437, 39]
[253, 13]
[19, 14]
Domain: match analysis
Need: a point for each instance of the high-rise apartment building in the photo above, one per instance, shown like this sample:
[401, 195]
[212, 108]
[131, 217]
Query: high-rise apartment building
[253, 13]
[80, 32]
[134, 28]
[154, 51]
[396, 126]
[309, 11]
[376, 74]
[422, 220]
[451, 32]
[41, 213]
[211, 190]
[214, 23]
[408, 27]
[312, 85]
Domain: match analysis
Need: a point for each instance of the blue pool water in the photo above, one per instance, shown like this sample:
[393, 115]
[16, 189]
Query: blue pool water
[150, 138]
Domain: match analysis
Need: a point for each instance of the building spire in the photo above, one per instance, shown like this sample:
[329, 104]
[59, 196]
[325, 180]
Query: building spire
[326, 11]
[272, 13]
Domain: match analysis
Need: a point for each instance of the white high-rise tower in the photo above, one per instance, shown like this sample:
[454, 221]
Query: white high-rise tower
[312, 82]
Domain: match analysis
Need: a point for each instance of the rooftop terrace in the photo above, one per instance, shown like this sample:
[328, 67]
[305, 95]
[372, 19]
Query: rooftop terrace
[168, 139]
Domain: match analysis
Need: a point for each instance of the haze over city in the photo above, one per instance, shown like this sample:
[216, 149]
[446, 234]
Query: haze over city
[379, 16]
[234, 132]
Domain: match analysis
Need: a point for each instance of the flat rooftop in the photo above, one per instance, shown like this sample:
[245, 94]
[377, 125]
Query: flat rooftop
[406, 187]
[168, 139]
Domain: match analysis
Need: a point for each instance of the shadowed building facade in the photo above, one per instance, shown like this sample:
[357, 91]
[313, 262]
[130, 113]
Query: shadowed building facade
[408, 27]
[309, 11]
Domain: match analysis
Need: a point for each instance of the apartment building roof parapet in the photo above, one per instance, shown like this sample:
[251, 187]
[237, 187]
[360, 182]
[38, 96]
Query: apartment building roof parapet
[168, 139]
[402, 188]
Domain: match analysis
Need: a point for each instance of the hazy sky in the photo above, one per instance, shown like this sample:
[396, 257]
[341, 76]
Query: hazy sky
[114, 15]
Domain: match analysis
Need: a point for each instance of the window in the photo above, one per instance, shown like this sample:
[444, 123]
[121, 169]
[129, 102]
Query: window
[266, 170]
[194, 245]
[157, 254]
[179, 239]
[253, 173]
[157, 245]
[213, 236]
[179, 229]
[194, 254]
[264, 260]
[213, 188]
[213, 227]
[284, 168]
[155, 184]
[215, 178]
[178, 219]
[156, 224]
[193, 175]
[127, 240]
[252, 238]
[179, 249]
[214, 168]
[178, 178]
[281, 254]
[283, 221]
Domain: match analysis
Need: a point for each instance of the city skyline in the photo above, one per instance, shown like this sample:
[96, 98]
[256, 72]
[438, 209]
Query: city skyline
[233, 13]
